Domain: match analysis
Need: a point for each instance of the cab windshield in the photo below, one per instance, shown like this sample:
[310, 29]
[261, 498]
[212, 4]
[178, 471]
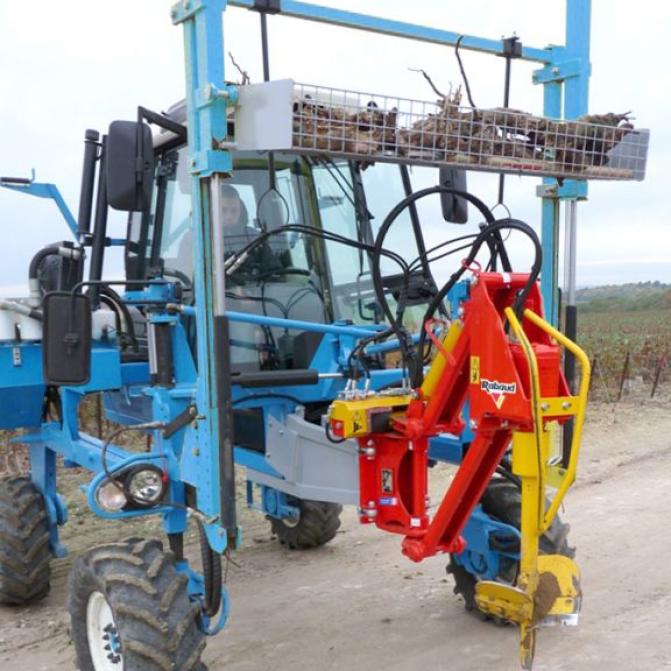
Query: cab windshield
[287, 274]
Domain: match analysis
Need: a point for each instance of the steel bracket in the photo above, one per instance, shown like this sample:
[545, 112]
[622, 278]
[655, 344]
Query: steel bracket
[573, 189]
[547, 190]
[267, 6]
[570, 189]
[185, 9]
[210, 161]
[560, 71]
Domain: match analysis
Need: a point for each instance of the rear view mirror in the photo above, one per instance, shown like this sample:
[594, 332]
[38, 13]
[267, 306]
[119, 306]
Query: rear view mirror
[455, 209]
[66, 345]
[130, 166]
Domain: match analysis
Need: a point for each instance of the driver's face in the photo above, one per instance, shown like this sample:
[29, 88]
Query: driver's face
[230, 211]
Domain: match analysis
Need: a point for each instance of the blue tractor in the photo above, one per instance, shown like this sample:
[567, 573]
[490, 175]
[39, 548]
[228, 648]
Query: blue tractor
[263, 280]
[297, 305]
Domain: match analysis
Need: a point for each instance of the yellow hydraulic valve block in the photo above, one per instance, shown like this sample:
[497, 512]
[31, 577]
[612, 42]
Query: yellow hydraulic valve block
[356, 418]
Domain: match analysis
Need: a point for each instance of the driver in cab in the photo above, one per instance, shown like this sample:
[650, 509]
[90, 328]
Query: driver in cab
[238, 234]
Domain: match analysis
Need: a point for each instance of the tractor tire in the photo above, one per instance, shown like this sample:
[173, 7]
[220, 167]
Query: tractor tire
[503, 501]
[130, 610]
[317, 525]
[24, 543]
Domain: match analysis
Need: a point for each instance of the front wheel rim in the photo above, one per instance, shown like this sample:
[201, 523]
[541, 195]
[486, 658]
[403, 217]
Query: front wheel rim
[102, 634]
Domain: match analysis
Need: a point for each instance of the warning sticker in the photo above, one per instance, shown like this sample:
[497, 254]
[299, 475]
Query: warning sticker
[387, 481]
[498, 390]
[475, 369]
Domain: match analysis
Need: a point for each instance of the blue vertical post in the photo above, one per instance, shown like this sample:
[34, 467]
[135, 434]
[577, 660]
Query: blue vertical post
[577, 47]
[570, 68]
[206, 102]
[552, 95]
[575, 104]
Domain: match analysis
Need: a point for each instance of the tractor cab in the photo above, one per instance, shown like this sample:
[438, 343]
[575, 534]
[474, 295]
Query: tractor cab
[293, 230]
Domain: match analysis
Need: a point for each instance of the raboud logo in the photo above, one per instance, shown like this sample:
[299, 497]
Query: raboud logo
[498, 390]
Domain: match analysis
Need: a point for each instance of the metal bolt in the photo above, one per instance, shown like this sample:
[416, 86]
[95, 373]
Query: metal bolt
[473, 424]
[545, 406]
[566, 405]
[196, 452]
[555, 71]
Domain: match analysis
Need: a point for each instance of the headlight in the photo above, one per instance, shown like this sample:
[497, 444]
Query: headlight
[110, 497]
[146, 486]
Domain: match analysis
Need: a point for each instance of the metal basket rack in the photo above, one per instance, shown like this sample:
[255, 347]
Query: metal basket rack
[373, 127]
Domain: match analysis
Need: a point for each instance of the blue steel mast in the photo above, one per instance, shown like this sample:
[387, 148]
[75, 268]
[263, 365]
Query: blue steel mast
[206, 101]
[207, 97]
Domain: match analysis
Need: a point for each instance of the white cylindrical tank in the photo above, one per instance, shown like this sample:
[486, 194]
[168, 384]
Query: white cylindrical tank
[7, 323]
[29, 328]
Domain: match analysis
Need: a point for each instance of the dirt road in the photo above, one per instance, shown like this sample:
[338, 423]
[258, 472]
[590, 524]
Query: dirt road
[357, 604]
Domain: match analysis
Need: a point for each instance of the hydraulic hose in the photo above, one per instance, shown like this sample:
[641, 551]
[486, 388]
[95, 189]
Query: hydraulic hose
[21, 309]
[122, 311]
[52, 250]
[211, 574]
[495, 226]
[407, 350]
[33, 281]
[393, 215]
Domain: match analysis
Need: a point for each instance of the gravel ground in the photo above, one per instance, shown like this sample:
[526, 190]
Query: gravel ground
[358, 604]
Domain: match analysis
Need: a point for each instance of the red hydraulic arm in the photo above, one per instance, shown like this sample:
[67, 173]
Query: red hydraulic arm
[479, 362]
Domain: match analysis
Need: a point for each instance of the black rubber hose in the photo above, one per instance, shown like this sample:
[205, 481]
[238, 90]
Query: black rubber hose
[497, 225]
[113, 296]
[211, 574]
[326, 235]
[38, 258]
[393, 215]
[408, 353]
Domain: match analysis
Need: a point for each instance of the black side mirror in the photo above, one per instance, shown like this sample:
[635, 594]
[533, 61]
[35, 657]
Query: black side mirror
[130, 166]
[455, 209]
[66, 343]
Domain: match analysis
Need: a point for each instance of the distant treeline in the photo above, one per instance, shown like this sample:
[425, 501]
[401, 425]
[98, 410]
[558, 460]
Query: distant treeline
[625, 297]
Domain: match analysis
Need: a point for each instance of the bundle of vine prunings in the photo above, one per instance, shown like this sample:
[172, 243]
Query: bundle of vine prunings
[333, 128]
[566, 146]
[500, 137]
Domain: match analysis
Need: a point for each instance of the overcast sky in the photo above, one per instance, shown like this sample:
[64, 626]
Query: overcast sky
[65, 67]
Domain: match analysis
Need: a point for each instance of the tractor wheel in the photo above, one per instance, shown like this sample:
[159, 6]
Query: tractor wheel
[130, 610]
[503, 501]
[317, 524]
[24, 543]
